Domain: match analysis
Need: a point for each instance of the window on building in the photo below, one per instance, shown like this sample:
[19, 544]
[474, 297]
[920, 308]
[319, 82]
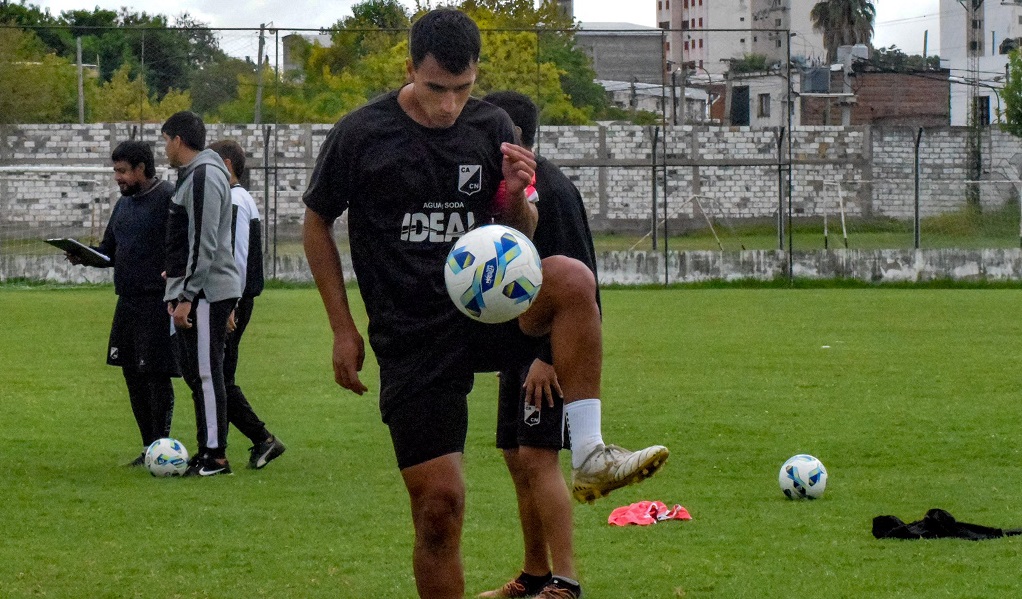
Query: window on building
[763, 106]
[741, 41]
[977, 23]
[777, 22]
[667, 5]
[976, 47]
[779, 44]
[667, 47]
[700, 62]
[665, 24]
[700, 42]
[660, 5]
[700, 22]
[742, 19]
[686, 45]
[693, 24]
[755, 39]
[1020, 20]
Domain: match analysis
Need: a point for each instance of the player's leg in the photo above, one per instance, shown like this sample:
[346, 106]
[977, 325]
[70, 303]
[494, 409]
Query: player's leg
[265, 446]
[567, 311]
[437, 493]
[425, 405]
[202, 367]
[120, 352]
[536, 569]
[138, 395]
[155, 360]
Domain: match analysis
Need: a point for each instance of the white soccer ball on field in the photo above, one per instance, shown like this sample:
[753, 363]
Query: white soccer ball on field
[803, 477]
[166, 457]
[493, 273]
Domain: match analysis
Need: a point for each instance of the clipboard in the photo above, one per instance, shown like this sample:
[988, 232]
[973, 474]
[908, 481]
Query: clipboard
[87, 255]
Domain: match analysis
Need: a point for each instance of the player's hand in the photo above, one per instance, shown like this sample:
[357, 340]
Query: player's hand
[232, 324]
[541, 382]
[349, 354]
[519, 167]
[72, 258]
[180, 314]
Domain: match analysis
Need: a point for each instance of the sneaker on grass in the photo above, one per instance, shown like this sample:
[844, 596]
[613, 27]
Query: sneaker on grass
[207, 466]
[263, 453]
[611, 467]
[558, 588]
[525, 585]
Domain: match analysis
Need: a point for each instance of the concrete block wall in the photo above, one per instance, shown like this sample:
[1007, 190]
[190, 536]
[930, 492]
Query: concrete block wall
[734, 168]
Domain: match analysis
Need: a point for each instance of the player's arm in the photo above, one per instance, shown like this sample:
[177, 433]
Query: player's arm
[325, 264]
[519, 167]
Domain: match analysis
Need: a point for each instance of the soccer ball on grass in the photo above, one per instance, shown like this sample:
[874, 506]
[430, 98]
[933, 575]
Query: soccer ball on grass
[166, 457]
[803, 477]
[493, 273]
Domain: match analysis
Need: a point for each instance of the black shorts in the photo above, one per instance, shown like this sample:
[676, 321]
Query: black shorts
[521, 425]
[140, 335]
[424, 393]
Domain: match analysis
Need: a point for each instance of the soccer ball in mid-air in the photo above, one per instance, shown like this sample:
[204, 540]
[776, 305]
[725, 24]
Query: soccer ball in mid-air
[803, 477]
[166, 457]
[493, 273]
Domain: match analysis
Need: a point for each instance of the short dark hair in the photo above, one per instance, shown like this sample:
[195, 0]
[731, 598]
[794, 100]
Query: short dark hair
[523, 112]
[188, 126]
[228, 149]
[451, 36]
[135, 153]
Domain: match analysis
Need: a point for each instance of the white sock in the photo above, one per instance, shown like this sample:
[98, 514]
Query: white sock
[584, 428]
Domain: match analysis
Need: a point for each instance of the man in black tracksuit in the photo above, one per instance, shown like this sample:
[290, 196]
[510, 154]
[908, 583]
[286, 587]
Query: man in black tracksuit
[203, 283]
[140, 339]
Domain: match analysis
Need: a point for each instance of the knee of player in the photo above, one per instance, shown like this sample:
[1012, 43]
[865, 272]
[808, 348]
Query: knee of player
[438, 515]
[569, 278]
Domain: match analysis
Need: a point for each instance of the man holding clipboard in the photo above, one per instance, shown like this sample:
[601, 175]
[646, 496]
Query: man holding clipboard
[133, 244]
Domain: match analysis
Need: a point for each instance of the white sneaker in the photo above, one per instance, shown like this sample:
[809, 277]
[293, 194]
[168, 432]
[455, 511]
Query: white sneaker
[611, 467]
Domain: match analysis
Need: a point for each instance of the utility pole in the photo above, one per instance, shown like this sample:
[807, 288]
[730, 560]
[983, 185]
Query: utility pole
[258, 117]
[973, 50]
[81, 84]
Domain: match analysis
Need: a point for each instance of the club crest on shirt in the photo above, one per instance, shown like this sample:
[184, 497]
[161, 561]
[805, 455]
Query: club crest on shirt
[470, 178]
[114, 354]
[531, 415]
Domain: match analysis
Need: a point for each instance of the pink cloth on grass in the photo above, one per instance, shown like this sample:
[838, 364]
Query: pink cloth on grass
[644, 513]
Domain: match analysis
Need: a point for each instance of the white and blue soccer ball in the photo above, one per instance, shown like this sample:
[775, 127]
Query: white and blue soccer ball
[166, 457]
[803, 477]
[493, 273]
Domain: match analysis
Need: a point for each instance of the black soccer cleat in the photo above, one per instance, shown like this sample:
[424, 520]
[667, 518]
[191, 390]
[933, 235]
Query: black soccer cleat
[263, 453]
[207, 466]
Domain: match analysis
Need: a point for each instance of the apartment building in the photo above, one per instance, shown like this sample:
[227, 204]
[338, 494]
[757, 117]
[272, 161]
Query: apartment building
[974, 45]
[759, 27]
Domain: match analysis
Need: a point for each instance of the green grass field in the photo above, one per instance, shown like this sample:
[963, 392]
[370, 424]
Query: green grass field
[909, 396]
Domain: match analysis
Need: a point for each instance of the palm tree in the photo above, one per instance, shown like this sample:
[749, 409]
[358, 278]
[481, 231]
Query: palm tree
[843, 23]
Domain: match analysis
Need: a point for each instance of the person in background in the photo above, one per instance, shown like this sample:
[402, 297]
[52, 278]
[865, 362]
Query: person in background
[140, 337]
[248, 256]
[203, 284]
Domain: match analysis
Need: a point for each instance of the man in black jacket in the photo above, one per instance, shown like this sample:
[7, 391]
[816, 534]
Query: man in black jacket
[140, 341]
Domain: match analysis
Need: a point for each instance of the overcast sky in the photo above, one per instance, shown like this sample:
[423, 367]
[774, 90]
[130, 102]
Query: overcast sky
[899, 22]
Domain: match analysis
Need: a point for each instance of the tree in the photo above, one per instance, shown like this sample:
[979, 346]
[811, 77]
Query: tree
[843, 23]
[893, 59]
[124, 98]
[37, 87]
[1012, 95]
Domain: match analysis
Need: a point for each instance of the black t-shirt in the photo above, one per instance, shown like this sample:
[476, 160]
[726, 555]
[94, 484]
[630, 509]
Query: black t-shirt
[563, 228]
[410, 192]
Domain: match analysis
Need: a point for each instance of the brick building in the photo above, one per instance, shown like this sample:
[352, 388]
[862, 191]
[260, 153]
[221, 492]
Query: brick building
[920, 99]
